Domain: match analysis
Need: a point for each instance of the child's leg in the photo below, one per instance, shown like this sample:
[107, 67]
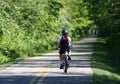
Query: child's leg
[61, 59]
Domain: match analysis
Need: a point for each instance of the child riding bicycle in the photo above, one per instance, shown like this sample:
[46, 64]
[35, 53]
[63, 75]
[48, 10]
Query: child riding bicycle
[64, 45]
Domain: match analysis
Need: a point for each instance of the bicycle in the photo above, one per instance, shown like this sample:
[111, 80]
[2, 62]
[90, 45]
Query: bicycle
[65, 62]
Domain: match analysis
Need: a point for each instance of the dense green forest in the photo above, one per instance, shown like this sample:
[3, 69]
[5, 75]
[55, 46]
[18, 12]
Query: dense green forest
[33, 26]
[28, 26]
[106, 16]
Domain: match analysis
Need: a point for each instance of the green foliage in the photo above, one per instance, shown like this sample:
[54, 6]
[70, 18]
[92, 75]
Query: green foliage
[106, 15]
[28, 26]
[54, 8]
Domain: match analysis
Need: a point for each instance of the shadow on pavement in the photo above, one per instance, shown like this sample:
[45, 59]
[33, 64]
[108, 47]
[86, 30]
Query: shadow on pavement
[50, 79]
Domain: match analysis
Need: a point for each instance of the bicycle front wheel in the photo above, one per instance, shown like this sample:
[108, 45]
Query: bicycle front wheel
[65, 66]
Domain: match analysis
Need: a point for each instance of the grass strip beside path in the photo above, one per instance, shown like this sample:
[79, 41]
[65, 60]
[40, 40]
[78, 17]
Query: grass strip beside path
[105, 71]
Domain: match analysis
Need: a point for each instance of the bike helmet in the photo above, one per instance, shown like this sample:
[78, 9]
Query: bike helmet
[64, 32]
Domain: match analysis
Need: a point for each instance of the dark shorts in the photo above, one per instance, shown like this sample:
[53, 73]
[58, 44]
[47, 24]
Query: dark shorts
[64, 49]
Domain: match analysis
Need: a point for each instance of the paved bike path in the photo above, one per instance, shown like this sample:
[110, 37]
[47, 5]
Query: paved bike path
[45, 69]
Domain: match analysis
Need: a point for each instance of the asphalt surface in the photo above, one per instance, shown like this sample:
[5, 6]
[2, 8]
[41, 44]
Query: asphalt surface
[45, 69]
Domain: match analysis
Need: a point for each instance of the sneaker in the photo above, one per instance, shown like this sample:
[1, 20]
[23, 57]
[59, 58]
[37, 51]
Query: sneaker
[69, 58]
[61, 66]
